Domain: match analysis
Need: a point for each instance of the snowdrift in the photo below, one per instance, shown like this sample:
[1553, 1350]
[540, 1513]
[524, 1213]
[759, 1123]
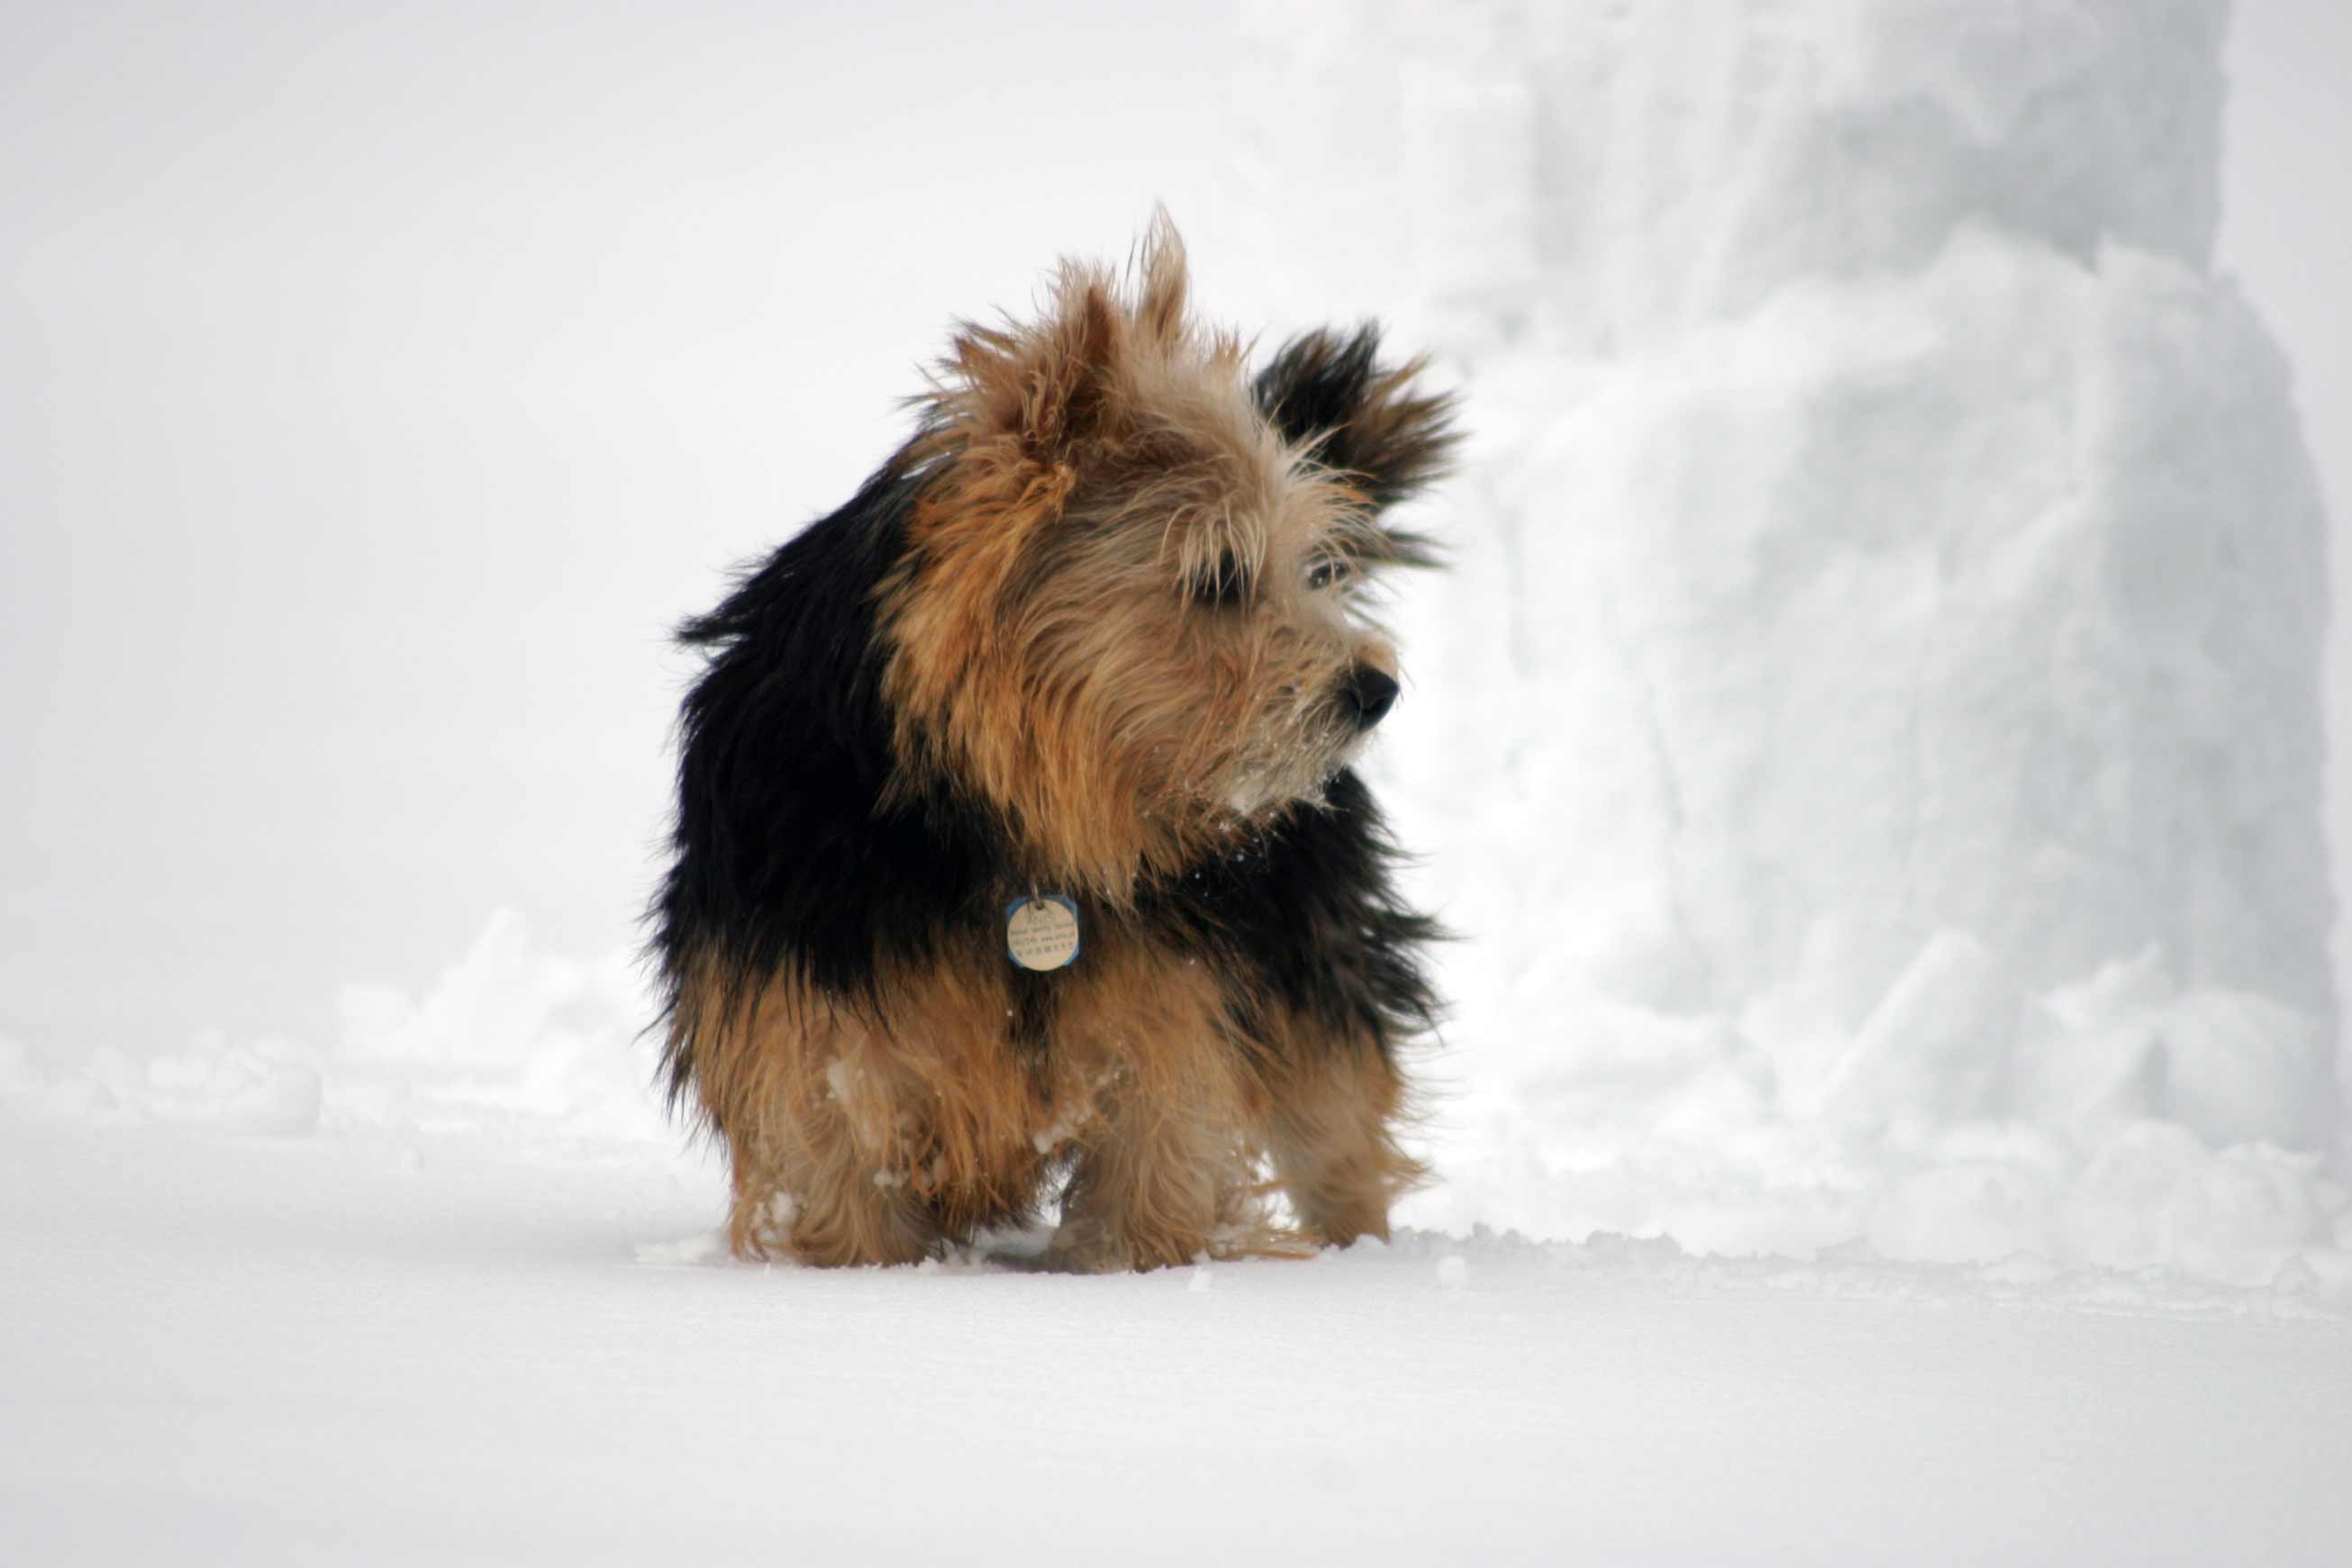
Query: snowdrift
[1871, 737]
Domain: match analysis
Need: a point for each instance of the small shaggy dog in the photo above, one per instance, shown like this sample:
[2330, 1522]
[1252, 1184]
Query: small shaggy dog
[1016, 848]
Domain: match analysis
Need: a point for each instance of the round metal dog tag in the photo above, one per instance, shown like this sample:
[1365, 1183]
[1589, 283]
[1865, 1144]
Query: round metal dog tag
[1041, 931]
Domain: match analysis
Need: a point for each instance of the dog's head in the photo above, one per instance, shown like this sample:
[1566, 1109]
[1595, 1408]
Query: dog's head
[1128, 616]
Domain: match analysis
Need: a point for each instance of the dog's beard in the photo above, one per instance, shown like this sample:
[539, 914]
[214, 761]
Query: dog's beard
[1296, 771]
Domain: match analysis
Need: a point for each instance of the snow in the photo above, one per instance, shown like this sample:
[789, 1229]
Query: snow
[379, 1347]
[1869, 746]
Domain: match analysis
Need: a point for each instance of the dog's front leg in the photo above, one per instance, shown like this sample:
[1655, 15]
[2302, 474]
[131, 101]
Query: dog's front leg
[1158, 1185]
[1338, 1104]
[818, 1166]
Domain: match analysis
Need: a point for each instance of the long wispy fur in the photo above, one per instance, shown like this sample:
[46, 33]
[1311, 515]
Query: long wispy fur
[1090, 631]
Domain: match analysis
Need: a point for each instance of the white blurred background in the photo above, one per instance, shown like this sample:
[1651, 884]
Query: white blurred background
[376, 386]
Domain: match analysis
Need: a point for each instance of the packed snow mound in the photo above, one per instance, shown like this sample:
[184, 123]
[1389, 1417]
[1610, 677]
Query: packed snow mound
[1871, 737]
[509, 1038]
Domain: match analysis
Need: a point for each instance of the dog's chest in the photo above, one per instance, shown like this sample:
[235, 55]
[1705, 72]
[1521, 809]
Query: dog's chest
[1136, 1007]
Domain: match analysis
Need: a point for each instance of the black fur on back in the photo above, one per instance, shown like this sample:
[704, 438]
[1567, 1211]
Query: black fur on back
[786, 858]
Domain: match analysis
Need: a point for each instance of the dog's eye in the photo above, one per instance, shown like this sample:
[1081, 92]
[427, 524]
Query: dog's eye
[1225, 585]
[1328, 571]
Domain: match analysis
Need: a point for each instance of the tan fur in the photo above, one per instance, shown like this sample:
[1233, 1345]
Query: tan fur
[1168, 1161]
[1336, 1111]
[1096, 464]
[859, 1140]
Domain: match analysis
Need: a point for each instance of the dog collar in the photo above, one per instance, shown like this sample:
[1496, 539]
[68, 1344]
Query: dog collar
[1041, 931]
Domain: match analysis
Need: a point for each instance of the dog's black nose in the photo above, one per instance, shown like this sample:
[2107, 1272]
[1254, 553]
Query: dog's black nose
[1368, 695]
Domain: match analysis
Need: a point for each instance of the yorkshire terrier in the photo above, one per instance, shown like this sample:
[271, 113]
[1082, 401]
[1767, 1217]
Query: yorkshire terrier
[1017, 850]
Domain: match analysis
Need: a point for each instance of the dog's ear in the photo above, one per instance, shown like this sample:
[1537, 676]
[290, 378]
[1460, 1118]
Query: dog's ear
[1164, 286]
[1356, 416]
[1044, 389]
[1051, 385]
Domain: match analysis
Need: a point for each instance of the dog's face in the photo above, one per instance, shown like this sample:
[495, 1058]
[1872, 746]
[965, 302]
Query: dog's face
[1130, 614]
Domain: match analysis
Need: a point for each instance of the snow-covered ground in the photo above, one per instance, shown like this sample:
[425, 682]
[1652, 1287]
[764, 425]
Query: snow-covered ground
[477, 1345]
